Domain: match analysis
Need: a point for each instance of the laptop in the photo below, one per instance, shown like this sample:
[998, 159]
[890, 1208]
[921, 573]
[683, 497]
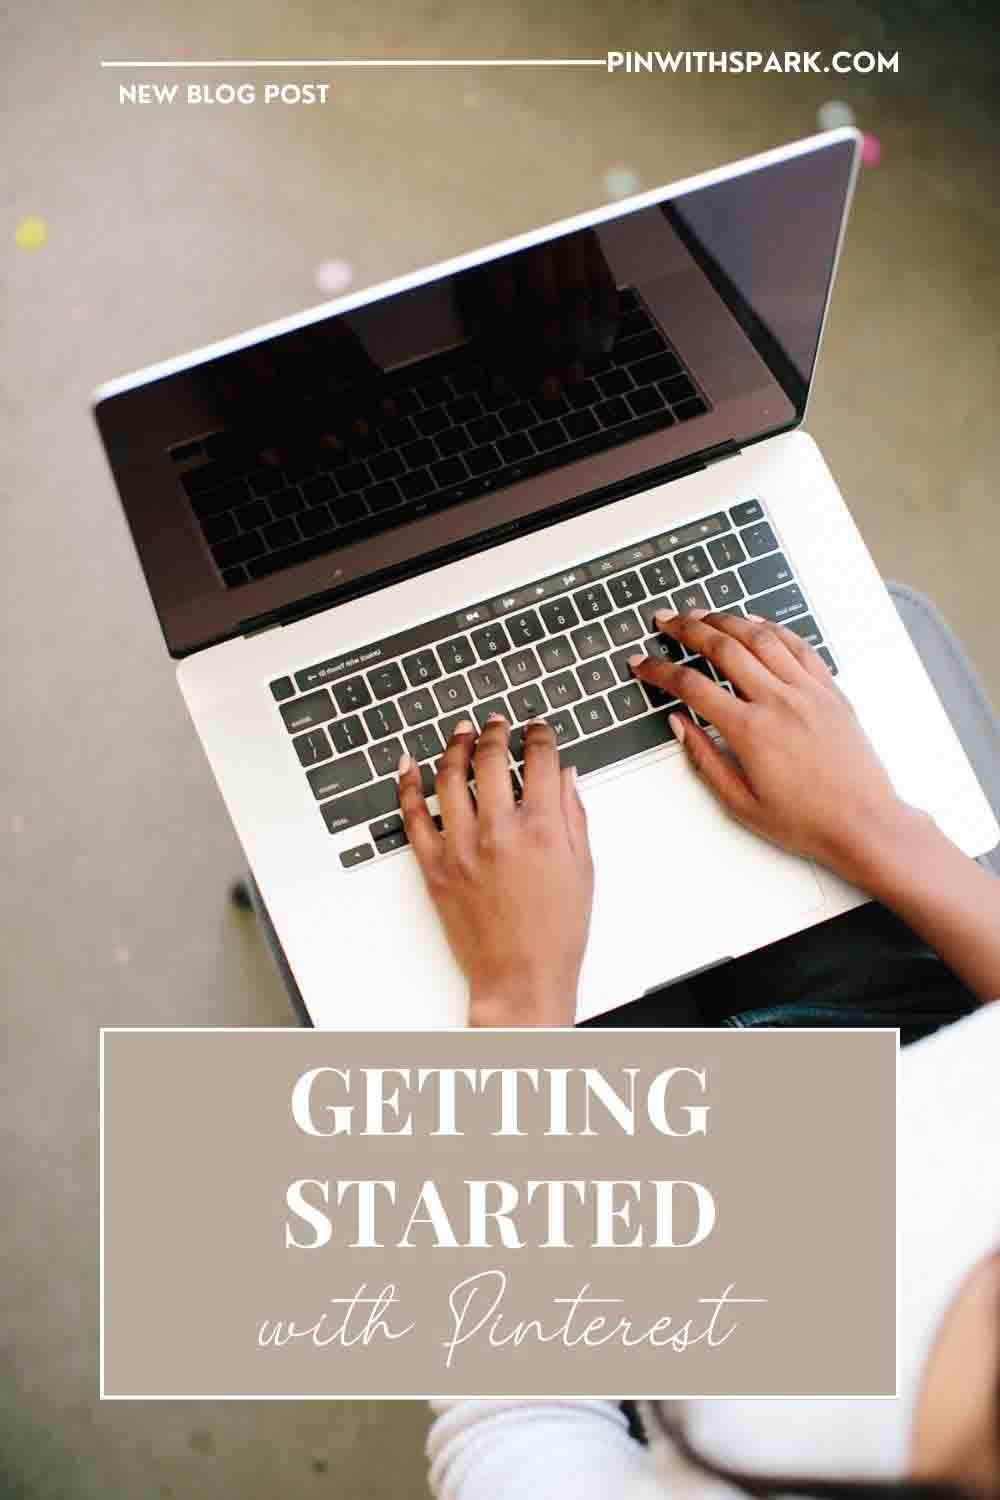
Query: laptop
[469, 490]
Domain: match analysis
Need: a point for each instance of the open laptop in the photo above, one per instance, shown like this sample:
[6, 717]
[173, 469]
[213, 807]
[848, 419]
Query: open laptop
[496, 471]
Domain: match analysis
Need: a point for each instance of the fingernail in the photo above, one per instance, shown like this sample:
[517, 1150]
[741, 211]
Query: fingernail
[464, 726]
[677, 724]
[538, 720]
[697, 614]
[551, 388]
[405, 762]
[757, 619]
[634, 661]
[271, 457]
[495, 719]
[664, 616]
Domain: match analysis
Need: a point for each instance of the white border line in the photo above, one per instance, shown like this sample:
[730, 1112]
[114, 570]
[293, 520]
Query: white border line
[518, 1395]
[370, 62]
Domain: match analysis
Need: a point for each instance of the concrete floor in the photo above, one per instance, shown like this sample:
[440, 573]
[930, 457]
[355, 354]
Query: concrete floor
[170, 228]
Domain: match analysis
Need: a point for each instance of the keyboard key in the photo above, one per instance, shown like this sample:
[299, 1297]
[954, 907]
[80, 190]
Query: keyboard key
[313, 747]
[267, 481]
[448, 725]
[629, 350]
[487, 679]
[649, 609]
[464, 409]
[596, 676]
[391, 841]
[565, 727]
[432, 421]
[240, 549]
[385, 757]
[626, 590]
[639, 734]
[659, 367]
[348, 509]
[515, 448]
[282, 688]
[418, 707]
[483, 460]
[527, 703]
[492, 640]
[628, 702]
[423, 743]
[348, 734]
[379, 497]
[727, 551]
[421, 667]
[765, 574]
[361, 806]
[750, 510]
[352, 694]
[692, 564]
[339, 776]
[593, 602]
[521, 667]
[416, 484]
[694, 531]
[518, 418]
[590, 640]
[524, 628]
[357, 856]
[677, 388]
[387, 681]
[316, 522]
[387, 465]
[824, 652]
[384, 828]
[558, 615]
[306, 713]
[693, 597]
[624, 627]
[557, 654]
[807, 629]
[724, 589]
[423, 452]
[758, 539]
[383, 720]
[354, 476]
[491, 706]
[449, 471]
[782, 605]
[646, 400]
[562, 689]
[685, 410]
[548, 435]
[485, 429]
[218, 528]
[619, 662]
[584, 393]
[452, 694]
[428, 776]
[660, 577]
[319, 489]
[454, 655]
[593, 717]
[580, 424]
[614, 383]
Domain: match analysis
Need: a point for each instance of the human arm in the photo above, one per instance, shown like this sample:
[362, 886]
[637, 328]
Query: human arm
[511, 881]
[803, 774]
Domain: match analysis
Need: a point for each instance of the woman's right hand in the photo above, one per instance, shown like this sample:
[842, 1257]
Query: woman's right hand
[805, 775]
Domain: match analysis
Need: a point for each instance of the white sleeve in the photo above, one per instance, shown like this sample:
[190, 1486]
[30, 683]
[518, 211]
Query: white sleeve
[549, 1450]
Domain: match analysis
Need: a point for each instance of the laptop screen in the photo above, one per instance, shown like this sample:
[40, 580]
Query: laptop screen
[452, 409]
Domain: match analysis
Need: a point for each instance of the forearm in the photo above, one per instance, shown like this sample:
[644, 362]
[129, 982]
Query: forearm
[945, 897]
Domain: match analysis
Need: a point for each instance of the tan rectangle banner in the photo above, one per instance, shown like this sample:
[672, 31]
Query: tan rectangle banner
[518, 1213]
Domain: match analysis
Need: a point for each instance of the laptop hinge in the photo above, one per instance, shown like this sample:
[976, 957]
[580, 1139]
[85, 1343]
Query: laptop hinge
[290, 614]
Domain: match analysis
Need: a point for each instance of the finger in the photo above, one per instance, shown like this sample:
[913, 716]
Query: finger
[424, 838]
[677, 680]
[760, 639]
[574, 812]
[715, 769]
[541, 770]
[703, 635]
[494, 791]
[808, 658]
[458, 811]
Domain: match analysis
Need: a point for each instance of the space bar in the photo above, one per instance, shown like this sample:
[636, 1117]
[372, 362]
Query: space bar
[618, 744]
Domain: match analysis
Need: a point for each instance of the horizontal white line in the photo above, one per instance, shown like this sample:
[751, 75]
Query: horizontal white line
[369, 62]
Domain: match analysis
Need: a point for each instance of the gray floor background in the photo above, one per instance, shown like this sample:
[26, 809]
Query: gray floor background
[170, 228]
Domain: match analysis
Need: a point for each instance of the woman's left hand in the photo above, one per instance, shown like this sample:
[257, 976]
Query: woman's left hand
[512, 882]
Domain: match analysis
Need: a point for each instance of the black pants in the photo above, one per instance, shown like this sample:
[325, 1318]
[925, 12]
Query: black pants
[865, 968]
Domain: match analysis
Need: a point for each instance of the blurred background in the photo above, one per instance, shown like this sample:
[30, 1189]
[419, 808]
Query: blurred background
[130, 234]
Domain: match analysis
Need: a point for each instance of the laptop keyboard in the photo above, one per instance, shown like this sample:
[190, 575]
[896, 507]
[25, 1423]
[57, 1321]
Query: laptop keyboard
[455, 440]
[556, 648]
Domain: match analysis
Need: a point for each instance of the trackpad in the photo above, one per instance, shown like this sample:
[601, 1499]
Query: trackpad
[679, 885]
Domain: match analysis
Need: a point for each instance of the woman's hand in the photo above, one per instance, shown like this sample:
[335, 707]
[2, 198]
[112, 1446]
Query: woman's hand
[807, 777]
[512, 882]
